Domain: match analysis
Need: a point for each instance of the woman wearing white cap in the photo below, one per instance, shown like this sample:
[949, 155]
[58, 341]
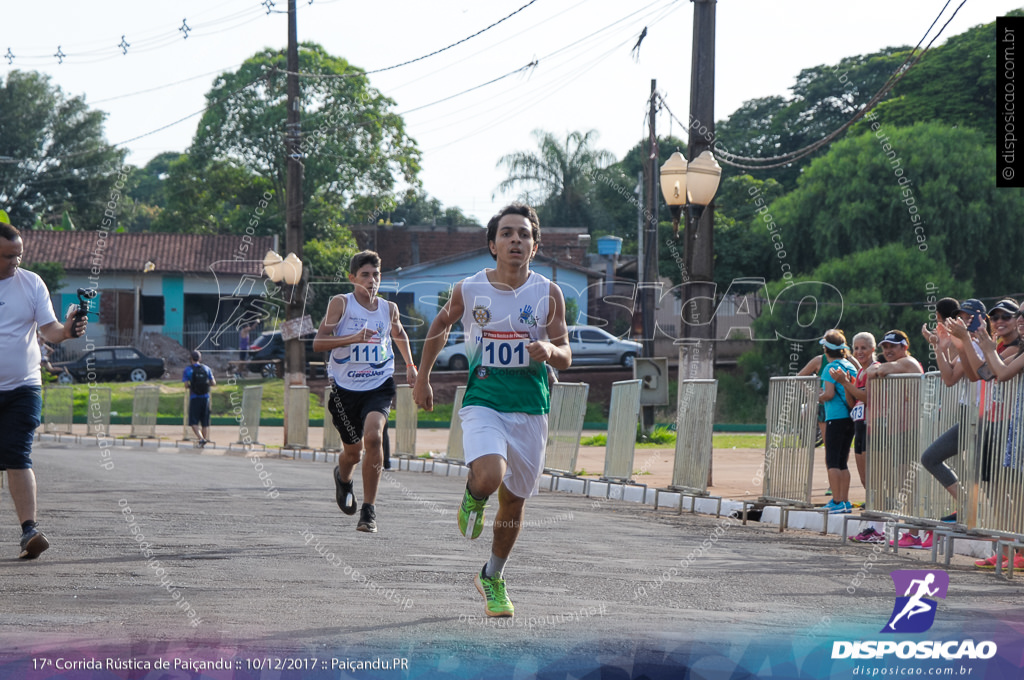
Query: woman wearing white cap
[838, 424]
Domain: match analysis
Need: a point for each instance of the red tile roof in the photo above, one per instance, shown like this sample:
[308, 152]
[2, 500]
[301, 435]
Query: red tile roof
[180, 253]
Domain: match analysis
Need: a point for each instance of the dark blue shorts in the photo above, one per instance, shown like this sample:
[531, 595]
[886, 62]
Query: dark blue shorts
[199, 411]
[20, 411]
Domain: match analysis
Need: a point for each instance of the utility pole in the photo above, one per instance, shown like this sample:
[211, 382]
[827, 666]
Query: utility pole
[650, 248]
[697, 346]
[295, 350]
[696, 351]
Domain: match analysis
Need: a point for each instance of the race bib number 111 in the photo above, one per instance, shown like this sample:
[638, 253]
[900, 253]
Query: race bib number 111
[367, 353]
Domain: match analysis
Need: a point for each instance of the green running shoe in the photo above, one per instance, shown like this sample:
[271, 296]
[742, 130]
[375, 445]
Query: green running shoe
[493, 590]
[471, 512]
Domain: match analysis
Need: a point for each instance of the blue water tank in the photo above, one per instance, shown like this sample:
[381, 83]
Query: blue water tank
[609, 245]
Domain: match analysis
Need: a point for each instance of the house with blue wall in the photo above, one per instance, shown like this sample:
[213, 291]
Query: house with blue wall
[179, 285]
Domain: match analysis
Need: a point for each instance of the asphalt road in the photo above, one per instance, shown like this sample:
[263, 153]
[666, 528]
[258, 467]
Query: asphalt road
[171, 555]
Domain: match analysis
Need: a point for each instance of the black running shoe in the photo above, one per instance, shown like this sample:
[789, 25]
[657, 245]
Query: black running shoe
[33, 543]
[345, 495]
[367, 520]
[949, 518]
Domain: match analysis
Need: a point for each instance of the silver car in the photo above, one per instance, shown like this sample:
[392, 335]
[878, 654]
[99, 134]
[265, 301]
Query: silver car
[591, 346]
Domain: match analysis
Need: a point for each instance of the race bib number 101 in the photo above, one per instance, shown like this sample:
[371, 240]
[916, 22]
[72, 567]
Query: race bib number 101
[505, 349]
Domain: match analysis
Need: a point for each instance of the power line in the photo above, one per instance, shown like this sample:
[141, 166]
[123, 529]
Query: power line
[165, 86]
[790, 157]
[556, 84]
[109, 48]
[412, 61]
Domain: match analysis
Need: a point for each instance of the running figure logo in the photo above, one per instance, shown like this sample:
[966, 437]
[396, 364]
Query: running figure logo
[913, 612]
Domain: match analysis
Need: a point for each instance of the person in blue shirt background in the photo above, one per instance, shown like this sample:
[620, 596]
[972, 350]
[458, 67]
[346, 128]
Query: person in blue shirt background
[199, 379]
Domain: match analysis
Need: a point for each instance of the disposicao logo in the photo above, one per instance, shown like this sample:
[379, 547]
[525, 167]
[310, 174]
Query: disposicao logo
[914, 612]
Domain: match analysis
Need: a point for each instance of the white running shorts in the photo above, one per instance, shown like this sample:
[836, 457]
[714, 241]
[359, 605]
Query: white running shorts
[519, 438]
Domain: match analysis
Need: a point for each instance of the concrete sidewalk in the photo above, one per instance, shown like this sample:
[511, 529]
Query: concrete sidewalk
[160, 552]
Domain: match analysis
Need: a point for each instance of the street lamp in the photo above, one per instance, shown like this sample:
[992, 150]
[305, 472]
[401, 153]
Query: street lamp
[686, 185]
[136, 329]
[288, 269]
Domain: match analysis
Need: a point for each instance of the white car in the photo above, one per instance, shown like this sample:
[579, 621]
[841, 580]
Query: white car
[453, 355]
[591, 346]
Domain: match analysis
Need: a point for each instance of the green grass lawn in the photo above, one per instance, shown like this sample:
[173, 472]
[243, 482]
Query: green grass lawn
[718, 441]
[172, 398]
[172, 403]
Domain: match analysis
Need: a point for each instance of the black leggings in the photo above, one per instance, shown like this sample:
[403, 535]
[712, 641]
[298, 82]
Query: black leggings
[838, 437]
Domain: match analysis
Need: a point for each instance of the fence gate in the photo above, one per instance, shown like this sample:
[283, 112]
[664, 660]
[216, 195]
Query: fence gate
[332, 438]
[405, 422]
[695, 418]
[98, 412]
[297, 404]
[623, 414]
[791, 424]
[58, 409]
[565, 424]
[455, 452]
[145, 406]
[249, 425]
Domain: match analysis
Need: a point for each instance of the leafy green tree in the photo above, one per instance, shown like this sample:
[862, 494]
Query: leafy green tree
[823, 99]
[61, 161]
[558, 178]
[954, 83]
[354, 146]
[928, 186]
[327, 262]
[572, 311]
[743, 240]
[148, 184]
[52, 274]
[616, 203]
[873, 290]
[219, 198]
[416, 206]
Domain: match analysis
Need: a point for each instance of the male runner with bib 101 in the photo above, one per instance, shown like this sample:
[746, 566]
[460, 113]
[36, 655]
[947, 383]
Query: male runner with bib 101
[358, 332]
[515, 322]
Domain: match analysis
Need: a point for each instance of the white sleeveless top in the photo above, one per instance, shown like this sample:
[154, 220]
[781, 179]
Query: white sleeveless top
[499, 324]
[367, 365]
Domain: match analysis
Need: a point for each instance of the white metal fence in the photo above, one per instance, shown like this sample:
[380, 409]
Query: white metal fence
[790, 425]
[907, 413]
[623, 415]
[406, 415]
[58, 409]
[98, 411]
[695, 417]
[456, 452]
[565, 425]
[145, 406]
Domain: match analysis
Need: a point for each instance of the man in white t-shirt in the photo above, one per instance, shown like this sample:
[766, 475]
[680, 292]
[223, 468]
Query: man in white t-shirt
[25, 308]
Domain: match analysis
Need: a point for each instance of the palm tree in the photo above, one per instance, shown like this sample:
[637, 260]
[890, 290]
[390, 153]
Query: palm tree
[558, 179]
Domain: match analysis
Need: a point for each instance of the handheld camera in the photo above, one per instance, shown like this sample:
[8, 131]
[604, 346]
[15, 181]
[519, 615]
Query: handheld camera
[81, 310]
